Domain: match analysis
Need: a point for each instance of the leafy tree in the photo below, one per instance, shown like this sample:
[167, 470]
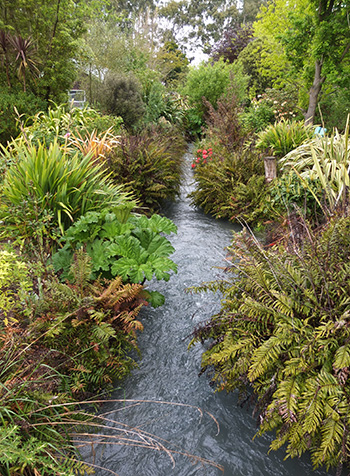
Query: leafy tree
[232, 43]
[54, 29]
[210, 81]
[204, 20]
[251, 58]
[308, 40]
[172, 62]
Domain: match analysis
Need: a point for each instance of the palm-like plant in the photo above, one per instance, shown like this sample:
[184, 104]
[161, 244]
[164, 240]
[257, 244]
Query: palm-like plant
[25, 52]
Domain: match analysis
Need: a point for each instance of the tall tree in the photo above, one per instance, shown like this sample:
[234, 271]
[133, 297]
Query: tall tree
[313, 36]
[55, 29]
[232, 43]
[199, 23]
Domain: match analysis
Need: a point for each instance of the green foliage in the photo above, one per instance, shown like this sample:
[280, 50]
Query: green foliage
[132, 249]
[306, 43]
[60, 121]
[284, 136]
[154, 100]
[289, 192]
[64, 187]
[75, 343]
[283, 330]
[14, 285]
[273, 105]
[122, 96]
[257, 117]
[251, 59]
[25, 103]
[210, 81]
[149, 164]
[231, 185]
[327, 160]
[52, 31]
[334, 106]
[172, 63]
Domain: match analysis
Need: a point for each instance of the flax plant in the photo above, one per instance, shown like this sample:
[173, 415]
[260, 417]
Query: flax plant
[325, 159]
[63, 185]
[99, 146]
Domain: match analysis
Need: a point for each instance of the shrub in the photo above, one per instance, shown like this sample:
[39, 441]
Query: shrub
[257, 117]
[231, 185]
[284, 136]
[289, 192]
[122, 96]
[122, 245]
[47, 183]
[60, 121]
[210, 81]
[283, 331]
[14, 285]
[25, 103]
[274, 105]
[150, 165]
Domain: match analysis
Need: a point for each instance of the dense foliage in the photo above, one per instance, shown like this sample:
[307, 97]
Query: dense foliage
[49, 183]
[149, 164]
[283, 136]
[283, 331]
[210, 82]
[120, 245]
[231, 185]
[63, 342]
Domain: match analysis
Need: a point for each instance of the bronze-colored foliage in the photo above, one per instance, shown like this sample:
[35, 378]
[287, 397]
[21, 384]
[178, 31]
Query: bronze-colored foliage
[150, 165]
[284, 332]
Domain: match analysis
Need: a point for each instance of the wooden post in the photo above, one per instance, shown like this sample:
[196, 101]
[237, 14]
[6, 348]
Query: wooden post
[270, 168]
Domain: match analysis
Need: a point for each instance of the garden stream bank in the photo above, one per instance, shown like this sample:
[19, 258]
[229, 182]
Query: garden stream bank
[168, 371]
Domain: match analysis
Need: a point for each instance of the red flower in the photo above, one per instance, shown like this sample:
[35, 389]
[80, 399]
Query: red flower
[197, 160]
[204, 151]
[204, 161]
[199, 151]
[193, 166]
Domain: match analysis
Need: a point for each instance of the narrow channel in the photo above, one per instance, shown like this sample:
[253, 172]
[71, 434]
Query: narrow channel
[168, 371]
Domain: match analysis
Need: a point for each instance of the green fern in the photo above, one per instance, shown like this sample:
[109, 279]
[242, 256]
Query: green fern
[284, 331]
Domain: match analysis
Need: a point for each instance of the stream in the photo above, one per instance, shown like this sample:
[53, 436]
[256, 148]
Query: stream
[168, 372]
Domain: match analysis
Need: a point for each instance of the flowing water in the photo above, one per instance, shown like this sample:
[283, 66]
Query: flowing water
[168, 371]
